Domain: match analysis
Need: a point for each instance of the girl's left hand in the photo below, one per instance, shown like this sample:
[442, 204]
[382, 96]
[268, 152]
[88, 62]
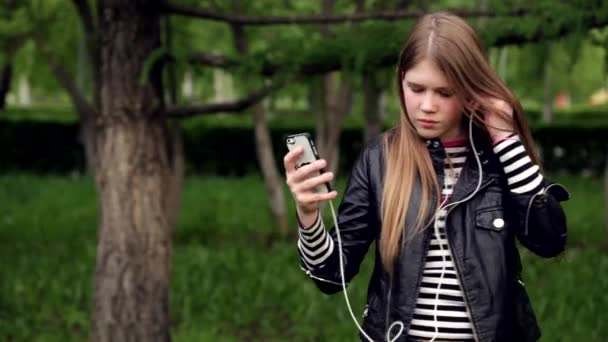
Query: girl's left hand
[500, 126]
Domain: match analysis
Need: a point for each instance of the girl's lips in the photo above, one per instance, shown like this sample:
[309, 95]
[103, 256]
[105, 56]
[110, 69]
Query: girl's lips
[427, 123]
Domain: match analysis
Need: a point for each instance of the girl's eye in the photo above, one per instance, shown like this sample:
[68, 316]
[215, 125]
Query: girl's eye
[444, 94]
[416, 89]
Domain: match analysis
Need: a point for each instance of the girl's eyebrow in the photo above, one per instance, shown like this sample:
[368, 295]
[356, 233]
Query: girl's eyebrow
[414, 84]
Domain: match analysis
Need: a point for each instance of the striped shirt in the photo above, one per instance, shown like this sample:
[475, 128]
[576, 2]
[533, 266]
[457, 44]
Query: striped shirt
[315, 246]
[440, 307]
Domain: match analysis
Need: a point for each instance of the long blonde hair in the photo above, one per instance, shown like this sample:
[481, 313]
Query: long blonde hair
[450, 43]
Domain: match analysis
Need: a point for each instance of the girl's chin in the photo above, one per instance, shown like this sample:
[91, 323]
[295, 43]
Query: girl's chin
[428, 133]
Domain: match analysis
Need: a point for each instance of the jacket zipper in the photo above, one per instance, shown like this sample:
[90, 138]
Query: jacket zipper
[456, 263]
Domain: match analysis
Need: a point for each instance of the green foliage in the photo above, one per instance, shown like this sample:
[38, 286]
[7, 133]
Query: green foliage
[24, 25]
[14, 17]
[370, 46]
[231, 281]
[574, 66]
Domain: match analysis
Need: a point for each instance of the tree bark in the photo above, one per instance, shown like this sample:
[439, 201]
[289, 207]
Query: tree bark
[337, 101]
[503, 63]
[371, 107]
[606, 198]
[228, 106]
[132, 179]
[273, 179]
[176, 159]
[317, 104]
[5, 83]
[92, 44]
[86, 112]
[548, 97]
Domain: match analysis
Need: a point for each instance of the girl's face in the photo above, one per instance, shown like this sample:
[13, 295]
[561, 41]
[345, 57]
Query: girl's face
[431, 103]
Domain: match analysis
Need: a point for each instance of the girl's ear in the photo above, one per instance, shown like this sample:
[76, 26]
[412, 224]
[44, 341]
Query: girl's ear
[472, 105]
[471, 108]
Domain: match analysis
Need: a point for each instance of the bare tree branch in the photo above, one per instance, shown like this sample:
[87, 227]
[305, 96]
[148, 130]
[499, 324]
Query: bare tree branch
[213, 60]
[83, 108]
[173, 8]
[81, 104]
[88, 23]
[230, 106]
[6, 75]
[224, 62]
[517, 38]
[86, 17]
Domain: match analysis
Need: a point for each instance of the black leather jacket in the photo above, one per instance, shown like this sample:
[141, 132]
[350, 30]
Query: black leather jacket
[486, 256]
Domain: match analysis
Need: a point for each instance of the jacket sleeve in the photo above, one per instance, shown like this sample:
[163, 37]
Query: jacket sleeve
[539, 216]
[319, 249]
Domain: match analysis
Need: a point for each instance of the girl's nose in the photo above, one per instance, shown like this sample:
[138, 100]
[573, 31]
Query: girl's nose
[428, 104]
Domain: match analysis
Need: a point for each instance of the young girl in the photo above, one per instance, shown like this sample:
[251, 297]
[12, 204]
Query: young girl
[444, 195]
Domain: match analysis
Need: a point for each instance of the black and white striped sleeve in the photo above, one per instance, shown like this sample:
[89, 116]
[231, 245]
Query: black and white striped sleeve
[315, 244]
[523, 176]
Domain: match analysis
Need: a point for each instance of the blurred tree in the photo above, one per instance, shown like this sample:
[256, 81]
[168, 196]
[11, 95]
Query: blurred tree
[14, 30]
[263, 140]
[133, 173]
[336, 98]
[606, 197]
[6, 75]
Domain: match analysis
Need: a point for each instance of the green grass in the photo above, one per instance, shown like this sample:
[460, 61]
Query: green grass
[230, 282]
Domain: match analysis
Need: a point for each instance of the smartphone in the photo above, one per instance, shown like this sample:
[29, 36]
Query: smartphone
[310, 155]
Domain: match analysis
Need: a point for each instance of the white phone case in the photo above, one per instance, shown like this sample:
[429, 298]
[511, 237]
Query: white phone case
[310, 155]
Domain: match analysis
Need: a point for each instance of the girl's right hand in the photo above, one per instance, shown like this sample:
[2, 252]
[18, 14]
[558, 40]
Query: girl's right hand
[302, 183]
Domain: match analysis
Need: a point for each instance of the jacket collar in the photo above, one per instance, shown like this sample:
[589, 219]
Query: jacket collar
[469, 177]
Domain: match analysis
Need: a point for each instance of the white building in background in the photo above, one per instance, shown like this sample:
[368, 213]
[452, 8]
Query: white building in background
[223, 86]
[22, 95]
[599, 97]
[24, 92]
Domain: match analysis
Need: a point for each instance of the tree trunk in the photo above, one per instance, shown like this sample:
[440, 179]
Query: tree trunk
[326, 86]
[273, 179]
[606, 198]
[548, 97]
[171, 83]
[5, 83]
[86, 135]
[503, 63]
[177, 159]
[338, 100]
[316, 95]
[371, 107]
[83, 63]
[132, 178]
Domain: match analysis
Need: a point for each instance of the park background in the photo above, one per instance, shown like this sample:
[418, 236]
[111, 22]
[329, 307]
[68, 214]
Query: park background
[141, 186]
